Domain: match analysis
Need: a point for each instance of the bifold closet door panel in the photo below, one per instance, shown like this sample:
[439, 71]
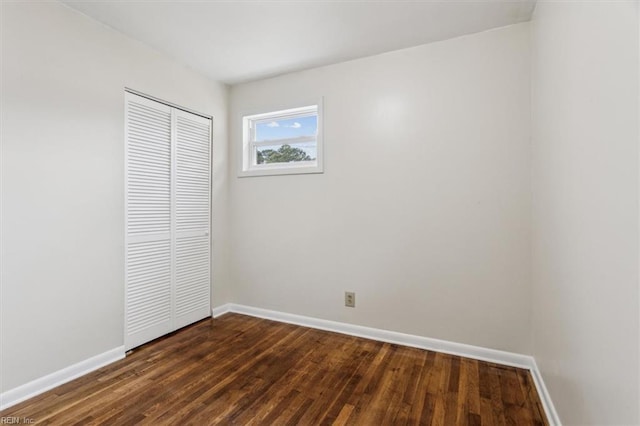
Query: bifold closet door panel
[148, 204]
[193, 215]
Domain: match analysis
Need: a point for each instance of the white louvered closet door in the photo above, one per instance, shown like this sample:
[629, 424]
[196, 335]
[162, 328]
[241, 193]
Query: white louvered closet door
[192, 218]
[148, 220]
[167, 260]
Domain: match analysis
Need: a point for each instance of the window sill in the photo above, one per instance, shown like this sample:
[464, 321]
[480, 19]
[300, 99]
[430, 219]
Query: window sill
[281, 171]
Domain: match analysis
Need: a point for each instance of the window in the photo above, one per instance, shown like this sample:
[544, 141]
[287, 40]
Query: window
[282, 142]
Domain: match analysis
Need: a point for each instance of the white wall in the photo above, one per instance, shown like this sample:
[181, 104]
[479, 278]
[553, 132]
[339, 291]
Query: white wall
[424, 206]
[63, 79]
[585, 209]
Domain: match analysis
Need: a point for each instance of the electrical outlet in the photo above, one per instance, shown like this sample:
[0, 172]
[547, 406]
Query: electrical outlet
[349, 299]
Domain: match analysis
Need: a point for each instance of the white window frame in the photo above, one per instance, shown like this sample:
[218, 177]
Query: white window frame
[248, 166]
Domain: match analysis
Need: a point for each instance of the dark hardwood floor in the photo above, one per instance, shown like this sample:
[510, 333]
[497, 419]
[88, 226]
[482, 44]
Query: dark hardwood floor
[242, 370]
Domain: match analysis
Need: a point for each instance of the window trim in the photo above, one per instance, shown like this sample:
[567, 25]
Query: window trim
[246, 167]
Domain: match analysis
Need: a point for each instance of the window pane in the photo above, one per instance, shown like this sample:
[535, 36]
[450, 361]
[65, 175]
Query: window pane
[286, 153]
[287, 128]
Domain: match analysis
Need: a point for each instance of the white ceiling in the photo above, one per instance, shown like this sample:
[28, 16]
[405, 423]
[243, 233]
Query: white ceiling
[237, 41]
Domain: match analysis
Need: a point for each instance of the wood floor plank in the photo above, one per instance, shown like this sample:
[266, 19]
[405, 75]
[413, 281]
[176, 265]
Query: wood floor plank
[343, 416]
[248, 371]
[473, 387]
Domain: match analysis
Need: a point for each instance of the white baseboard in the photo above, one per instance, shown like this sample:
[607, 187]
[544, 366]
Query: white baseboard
[545, 397]
[459, 349]
[50, 381]
[220, 310]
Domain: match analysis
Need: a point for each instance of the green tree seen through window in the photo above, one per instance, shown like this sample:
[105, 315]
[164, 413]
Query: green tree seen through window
[285, 154]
